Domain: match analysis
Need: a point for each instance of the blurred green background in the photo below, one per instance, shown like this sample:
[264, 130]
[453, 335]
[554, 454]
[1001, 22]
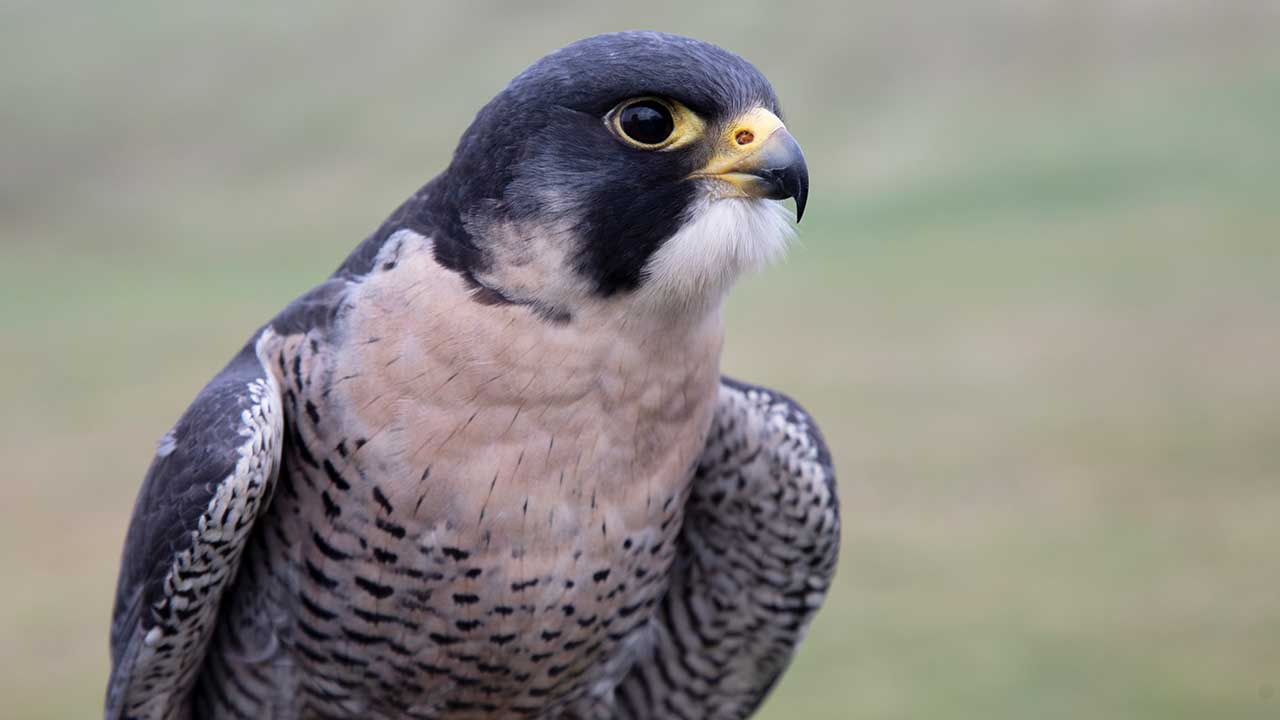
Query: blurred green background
[1035, 305]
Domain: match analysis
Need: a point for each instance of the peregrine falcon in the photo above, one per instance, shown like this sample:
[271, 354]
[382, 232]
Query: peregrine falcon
[490, 468]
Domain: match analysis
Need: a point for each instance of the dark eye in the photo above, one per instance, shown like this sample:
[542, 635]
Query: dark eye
[647, 122]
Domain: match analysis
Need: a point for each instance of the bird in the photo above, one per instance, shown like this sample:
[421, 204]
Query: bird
[490, 468]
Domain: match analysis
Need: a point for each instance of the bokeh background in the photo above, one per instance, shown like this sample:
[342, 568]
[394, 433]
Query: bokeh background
[1035, 305]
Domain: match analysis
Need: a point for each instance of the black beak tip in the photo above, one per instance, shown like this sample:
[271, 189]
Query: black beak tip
[796, 185]
[794, 179]
[789, 182]
[801, 170]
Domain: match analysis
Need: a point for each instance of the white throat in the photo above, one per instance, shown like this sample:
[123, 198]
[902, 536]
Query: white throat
[724, 239]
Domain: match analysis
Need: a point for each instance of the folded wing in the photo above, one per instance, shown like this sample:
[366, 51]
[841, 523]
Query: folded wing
[212, 476]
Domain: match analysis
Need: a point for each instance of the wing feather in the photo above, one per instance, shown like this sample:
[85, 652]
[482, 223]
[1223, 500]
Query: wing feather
[212, 476]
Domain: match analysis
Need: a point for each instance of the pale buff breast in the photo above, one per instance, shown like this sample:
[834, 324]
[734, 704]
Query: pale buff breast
[490, 428]
[606, 411]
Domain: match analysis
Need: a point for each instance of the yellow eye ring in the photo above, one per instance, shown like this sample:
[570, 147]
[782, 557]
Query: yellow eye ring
[654, 123]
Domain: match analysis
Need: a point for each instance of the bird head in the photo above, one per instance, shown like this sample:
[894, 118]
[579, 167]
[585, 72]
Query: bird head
[634, 167]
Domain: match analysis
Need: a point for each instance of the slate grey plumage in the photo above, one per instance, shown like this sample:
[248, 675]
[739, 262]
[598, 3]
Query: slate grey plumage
[486, 471]
[213, 475]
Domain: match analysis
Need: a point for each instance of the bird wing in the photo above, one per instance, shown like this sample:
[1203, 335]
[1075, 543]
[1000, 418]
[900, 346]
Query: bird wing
[756, 555]
[212, 476]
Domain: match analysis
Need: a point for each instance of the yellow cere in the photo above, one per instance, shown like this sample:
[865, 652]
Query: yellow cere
[742, 137]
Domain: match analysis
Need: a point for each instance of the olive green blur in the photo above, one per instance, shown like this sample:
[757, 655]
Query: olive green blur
[1035, 305]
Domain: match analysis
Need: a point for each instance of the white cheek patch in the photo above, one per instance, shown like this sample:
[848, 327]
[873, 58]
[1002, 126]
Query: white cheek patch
[722, 239]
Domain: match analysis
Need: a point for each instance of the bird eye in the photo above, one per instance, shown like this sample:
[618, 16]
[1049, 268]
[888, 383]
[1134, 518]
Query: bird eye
[654, 123]
[647, 122]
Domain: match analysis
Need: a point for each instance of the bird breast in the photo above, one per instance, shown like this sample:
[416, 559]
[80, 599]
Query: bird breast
[491, 416]
[510, 485]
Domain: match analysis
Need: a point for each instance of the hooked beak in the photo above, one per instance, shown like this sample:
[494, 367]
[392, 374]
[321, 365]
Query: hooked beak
[758, 158]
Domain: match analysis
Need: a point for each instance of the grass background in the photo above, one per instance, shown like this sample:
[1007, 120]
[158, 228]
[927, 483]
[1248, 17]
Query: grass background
[1035, 305]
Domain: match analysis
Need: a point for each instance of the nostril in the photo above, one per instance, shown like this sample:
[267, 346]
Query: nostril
[744, 137]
